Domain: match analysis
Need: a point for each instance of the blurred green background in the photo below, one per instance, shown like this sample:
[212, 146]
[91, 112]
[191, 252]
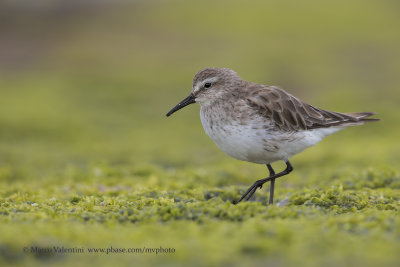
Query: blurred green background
[84, 88]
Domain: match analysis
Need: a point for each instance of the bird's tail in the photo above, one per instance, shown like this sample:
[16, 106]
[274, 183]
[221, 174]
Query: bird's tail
[362, 117]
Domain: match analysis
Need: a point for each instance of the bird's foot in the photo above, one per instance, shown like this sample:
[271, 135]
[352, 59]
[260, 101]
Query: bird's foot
[252, 189]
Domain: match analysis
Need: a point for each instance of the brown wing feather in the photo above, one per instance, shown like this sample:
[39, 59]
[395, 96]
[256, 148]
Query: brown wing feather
[291, 114]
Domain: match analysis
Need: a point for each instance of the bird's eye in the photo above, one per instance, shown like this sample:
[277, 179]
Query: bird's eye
[207, 85]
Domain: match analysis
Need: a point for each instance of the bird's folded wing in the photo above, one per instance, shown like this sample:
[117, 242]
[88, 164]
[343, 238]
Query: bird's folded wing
[291, 114]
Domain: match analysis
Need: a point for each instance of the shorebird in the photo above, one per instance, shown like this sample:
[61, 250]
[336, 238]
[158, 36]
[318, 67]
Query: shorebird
[259, 123]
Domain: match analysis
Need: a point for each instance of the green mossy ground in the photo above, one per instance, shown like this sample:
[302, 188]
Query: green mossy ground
[340, 222]
[89, 160]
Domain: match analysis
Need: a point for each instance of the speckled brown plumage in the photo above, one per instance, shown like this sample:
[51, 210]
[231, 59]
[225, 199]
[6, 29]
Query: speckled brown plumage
[291, 114]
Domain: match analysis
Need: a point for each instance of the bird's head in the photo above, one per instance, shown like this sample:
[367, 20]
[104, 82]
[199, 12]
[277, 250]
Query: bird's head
[210, 84]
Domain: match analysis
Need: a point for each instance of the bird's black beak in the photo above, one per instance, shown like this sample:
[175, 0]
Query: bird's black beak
[187, 101]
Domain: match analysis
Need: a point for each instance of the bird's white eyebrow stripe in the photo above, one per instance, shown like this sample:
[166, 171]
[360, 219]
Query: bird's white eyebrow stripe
[210, 80]
[201, 83]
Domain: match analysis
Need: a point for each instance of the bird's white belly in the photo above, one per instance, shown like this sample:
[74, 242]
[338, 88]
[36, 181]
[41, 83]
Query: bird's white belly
[240, 143]
[256, 141]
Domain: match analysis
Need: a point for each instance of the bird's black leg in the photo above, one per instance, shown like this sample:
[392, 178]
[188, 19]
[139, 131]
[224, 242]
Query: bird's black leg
[271, 173]
[259, 183]
[272, 186]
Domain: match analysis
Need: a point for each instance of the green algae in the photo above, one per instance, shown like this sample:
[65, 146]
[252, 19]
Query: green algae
[323, 223]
